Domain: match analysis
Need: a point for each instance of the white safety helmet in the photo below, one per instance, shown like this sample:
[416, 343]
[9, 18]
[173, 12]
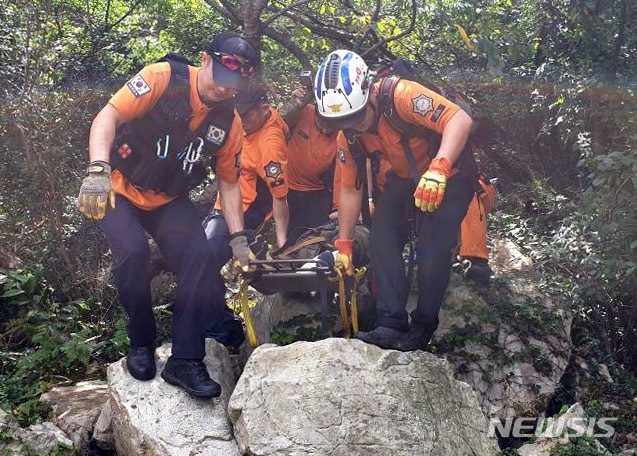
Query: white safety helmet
[341, 88]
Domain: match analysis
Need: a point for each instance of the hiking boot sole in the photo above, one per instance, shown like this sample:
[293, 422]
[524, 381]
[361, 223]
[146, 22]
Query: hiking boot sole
[171, 379]
[390, 343]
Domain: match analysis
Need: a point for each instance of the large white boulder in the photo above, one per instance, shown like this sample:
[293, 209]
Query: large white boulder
[345, 397]
[157, 419]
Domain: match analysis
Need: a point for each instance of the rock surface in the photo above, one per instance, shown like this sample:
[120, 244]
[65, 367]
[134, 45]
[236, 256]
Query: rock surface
[154, 418]
[273, 309]
[510, 341]
[76, 409]
[345, 397]
[44, 438]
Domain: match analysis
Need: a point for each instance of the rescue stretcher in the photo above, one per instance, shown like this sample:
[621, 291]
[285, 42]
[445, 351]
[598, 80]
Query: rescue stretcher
[303, 275]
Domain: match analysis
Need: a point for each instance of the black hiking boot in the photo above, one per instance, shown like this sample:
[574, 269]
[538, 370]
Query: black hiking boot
[477, 269]
[141, 362]
[192, 376]
[393, 339]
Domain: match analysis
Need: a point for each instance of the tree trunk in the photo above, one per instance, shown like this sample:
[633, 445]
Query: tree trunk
[619, 42]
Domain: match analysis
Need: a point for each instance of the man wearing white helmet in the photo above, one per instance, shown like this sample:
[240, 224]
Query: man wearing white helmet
[439, 186]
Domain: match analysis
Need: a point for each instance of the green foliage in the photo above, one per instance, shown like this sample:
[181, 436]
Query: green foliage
[299, 328]
[581, 446]
[43, 341]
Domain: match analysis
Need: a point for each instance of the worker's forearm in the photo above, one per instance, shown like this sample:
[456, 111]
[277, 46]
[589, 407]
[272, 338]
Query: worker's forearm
[281, 214]
[231, 205]
[454, 136]
[103, 133]
[349, 207]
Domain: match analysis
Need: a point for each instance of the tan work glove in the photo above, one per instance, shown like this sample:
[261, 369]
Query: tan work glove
[241, 252]
[96, 192]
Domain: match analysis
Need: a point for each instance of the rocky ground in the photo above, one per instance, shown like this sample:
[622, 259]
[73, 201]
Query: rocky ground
[501, 352]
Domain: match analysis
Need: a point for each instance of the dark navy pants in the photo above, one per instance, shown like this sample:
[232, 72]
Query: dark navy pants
[308, 210]
[218, 235]
[177, 230]
[437, 235]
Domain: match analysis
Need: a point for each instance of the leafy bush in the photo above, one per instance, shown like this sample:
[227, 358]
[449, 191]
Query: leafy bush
[42, 342]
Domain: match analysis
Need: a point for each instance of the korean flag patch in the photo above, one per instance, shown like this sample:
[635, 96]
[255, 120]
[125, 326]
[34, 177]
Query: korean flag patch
[215, 135]
[138, 86]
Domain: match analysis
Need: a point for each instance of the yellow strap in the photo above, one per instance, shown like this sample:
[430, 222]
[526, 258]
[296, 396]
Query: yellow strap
[247, 316]
[358, 275]
[343, 302]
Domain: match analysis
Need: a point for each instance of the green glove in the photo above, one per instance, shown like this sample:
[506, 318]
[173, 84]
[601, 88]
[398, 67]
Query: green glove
[241, 252]
[96, 192]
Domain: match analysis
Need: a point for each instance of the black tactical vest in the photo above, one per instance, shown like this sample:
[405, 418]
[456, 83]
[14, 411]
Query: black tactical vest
[158, 151]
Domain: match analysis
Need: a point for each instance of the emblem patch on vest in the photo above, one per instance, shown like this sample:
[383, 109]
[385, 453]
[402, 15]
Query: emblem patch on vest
[138, 86]
[273, 169]
[124, 151]
[215, 135]
[422, 104]
[340, 154]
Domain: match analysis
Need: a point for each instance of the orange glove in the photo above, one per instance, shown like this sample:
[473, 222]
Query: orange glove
[431, 188]
[344, 256]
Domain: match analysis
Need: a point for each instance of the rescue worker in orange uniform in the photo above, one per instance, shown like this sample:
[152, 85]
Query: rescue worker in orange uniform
[474, 255]
[148, 147]
[264, 187]
[347, 96]
[311, 155]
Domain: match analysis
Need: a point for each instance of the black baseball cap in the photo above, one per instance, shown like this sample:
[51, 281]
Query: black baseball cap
[234, 60]
[249, 98]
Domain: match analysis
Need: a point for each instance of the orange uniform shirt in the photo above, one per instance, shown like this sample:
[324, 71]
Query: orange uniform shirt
[373, 146]
[133, 105]
[310, 153]
[413, 103]
[264, 157]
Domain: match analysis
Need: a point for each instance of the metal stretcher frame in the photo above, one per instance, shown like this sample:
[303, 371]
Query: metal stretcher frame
[295, 275]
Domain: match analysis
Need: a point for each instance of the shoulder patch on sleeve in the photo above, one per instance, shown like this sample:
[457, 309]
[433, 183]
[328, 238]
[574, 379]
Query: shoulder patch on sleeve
[215, 135]
[340, 154]
[422, 104]
[436, 115]
[138, 86]
[273, 169]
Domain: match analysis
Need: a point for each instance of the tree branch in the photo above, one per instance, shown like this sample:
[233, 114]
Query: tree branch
[285, 41]
[343, 38]
[282, 11]
[223, 11]
[374, 21]
[126, 14]
[412, 24]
